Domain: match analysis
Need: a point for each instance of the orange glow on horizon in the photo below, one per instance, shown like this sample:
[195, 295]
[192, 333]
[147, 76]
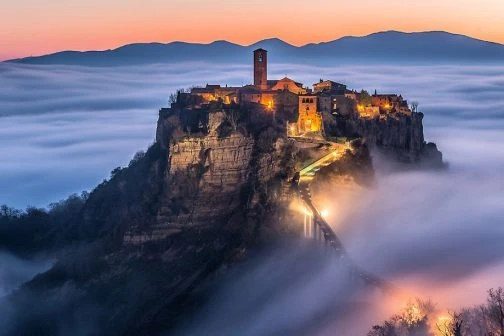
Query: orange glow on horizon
[95, 25]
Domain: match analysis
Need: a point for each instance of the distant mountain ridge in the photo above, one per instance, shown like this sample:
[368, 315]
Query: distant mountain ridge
[382, 47]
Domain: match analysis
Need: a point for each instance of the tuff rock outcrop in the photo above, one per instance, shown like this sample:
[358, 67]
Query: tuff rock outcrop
[150, 242]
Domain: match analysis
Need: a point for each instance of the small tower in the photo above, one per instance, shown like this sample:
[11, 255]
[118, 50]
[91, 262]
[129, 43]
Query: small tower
[261, 69]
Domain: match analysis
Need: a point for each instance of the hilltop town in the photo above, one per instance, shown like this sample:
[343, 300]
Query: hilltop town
[225, 143]
[286, 96]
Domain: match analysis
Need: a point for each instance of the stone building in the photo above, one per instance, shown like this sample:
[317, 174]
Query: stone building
[310, 119]
[327, 103]
[287, 84]
[261, 69]
[352, 94]
[368, 111]
[286, 94]
[390, 103]
[329, 86]
[215, 92]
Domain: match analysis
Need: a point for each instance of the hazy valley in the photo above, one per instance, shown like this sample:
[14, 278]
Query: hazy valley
[434, 234]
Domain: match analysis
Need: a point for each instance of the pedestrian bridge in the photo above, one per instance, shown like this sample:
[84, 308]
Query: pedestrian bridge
[315, 226]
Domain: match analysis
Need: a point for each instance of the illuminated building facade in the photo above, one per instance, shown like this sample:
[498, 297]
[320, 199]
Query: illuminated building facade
[310, 119]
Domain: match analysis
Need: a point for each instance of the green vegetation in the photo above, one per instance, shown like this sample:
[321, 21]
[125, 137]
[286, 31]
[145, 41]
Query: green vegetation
[365, 98]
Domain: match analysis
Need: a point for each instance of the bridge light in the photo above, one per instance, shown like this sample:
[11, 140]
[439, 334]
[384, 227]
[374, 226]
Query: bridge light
[307, 212]
[324, 213]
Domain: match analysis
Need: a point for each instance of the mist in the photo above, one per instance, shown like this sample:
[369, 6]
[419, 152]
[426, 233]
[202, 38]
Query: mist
[432, 234]
[301, 289]
[14, 271]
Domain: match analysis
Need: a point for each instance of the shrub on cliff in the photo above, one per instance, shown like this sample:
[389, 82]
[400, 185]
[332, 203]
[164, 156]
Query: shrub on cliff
[128, 198]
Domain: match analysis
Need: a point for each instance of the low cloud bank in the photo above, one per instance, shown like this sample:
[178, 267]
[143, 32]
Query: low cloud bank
[296, 290]
[64, 128]
[14, 271]
[435, 234]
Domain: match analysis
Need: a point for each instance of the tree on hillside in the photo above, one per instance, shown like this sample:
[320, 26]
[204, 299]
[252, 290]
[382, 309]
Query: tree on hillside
[232, 117]
[450, 326]
[495, 310]
[174, 96]
[365, 98]
[414, 106]
[413, 320]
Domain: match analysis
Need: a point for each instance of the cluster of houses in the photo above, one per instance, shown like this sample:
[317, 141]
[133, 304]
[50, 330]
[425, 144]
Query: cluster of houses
[310, 104]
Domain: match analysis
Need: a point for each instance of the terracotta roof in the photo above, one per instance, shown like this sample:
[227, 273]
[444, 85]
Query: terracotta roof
[330, 81]
[287, 79]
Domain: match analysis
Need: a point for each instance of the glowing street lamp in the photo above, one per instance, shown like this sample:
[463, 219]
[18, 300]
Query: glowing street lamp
[324, 213]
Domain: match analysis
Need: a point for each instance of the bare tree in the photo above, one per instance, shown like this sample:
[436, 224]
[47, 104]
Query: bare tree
[414, 106]
[413, 320]
[232, 116]
[173, 98]
[451, 326]
[495, 309]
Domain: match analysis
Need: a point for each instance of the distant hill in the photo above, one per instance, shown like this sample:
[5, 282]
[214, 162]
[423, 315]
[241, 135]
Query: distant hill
[383, 47]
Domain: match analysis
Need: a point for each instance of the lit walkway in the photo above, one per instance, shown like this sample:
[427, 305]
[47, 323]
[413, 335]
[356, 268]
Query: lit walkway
[315, 225]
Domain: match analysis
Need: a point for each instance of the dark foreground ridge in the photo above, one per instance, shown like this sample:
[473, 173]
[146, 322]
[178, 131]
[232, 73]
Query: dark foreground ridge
[229, 176]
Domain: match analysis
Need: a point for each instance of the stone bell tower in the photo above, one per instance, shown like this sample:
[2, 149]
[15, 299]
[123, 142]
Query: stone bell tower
[261, 69]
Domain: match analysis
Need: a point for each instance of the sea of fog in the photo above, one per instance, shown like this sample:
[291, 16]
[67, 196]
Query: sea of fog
[436, 234]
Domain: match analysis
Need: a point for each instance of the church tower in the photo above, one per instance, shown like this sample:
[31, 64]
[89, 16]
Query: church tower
[261, 69]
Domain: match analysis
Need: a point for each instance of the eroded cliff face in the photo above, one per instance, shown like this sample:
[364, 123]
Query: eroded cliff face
[401, 137]
[205, 179]
[398, 136]
[211, 176]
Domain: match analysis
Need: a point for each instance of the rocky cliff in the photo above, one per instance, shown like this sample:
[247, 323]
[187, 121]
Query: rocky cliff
[152, 240]
[399, 136]
[209, 174]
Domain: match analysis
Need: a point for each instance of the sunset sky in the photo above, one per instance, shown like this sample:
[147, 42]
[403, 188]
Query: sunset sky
[34, 27]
